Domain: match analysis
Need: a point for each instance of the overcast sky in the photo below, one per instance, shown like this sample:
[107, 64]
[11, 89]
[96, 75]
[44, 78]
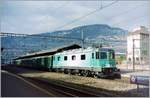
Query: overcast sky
[33, 17]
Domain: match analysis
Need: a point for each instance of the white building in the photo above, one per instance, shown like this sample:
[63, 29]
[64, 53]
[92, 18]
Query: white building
[138, 45]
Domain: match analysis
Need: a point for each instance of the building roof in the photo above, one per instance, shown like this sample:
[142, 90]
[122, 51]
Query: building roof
[51, 51]
[140, 30]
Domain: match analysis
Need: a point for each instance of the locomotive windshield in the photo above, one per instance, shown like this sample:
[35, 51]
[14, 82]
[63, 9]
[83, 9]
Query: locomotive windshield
[103, 55]
[106, 54]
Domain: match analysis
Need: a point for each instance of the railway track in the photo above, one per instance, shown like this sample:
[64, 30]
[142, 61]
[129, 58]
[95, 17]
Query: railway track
[52, 89]
[64, 90]
[17, 70]
[58, 89]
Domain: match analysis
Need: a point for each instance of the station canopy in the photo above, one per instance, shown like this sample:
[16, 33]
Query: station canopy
[50, 51]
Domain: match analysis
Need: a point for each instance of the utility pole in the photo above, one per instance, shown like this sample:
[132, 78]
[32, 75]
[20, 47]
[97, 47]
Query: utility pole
[82, 38]
[133, 61]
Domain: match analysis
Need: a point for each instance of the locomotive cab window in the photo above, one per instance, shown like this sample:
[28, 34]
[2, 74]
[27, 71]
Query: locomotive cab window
[73, 57]
[65, 58]
[83, 57]
[103, 55]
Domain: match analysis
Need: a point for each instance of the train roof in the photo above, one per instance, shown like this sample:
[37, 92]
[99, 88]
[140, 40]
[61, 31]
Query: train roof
[64, 48]
[81, 50]
[51, 51]
[106, 49]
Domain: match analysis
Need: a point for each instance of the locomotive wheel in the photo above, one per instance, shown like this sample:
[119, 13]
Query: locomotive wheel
[57, 70]
[95, 76]
[86, 73]
[65, 71]
[50, 70]
[80, 73]
[61, 70]
[76, 72]
[69, 71]
[73, 71]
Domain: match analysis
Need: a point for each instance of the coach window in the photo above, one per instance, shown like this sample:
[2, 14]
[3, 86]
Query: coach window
[97, 55]
[141, 58]
[59, 58]
[54, 58]
[73, 57]
[82, 57]
[65, 58]
[92, 55]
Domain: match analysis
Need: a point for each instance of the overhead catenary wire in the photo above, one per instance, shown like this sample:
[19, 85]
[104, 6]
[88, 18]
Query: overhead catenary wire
[130, 20]
[2, 34]
[86, 15]
[75, 20]
[124, 12]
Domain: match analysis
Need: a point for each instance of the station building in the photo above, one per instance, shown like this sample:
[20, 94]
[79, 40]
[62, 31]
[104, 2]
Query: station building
[138, 47]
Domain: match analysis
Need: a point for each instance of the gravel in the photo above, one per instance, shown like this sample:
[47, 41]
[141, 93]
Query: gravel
[115, 85]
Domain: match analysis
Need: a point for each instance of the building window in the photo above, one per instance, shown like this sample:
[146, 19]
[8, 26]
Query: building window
[97, 55]
[137, 59]
[73, 57]
[59, 58]
[92, 55]
[82, 57]
[141, 58]
[103, 55]
[65, 58]
[144, 52]
[129, 59]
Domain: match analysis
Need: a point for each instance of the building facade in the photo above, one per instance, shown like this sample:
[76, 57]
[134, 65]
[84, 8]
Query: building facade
[138, 46]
